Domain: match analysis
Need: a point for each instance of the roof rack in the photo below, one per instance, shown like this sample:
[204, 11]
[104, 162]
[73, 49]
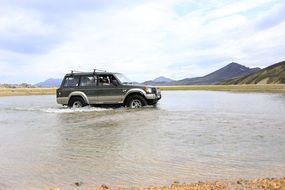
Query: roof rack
[94, 70]
[73, 71]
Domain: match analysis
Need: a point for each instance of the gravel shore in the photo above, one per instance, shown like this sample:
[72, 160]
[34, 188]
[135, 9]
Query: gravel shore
[254, 184]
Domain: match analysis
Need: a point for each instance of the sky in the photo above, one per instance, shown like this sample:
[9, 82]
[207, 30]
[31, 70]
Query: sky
[142, 39]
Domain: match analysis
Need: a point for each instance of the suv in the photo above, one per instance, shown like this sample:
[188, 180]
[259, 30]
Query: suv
[79, 89]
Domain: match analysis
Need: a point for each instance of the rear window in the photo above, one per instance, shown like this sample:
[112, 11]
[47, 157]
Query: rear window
[71, 81]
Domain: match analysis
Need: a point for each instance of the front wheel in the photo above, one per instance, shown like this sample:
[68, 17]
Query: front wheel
[136, 101]
[76, 102]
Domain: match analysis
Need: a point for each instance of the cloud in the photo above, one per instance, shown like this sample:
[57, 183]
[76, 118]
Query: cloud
[272, 18]
[25, 32]
[144, 39]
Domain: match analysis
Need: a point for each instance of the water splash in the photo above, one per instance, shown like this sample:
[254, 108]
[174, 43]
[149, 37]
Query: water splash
[60, 109]
[73, 110]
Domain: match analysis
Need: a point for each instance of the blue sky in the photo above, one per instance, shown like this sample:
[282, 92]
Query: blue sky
[142, 39]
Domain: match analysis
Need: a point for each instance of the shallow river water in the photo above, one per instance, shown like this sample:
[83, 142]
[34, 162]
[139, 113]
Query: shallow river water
[189, 136]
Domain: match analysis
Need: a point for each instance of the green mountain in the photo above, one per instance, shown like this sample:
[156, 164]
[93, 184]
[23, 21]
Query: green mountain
[274, 74]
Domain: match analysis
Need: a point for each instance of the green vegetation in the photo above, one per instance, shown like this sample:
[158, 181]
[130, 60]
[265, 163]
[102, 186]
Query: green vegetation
[274, 74]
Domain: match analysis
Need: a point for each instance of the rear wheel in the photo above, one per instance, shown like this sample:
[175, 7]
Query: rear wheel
[136, 101]
[76, 102]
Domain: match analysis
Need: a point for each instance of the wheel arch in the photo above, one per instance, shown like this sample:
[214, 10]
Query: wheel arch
[78, 94]
[133, 93]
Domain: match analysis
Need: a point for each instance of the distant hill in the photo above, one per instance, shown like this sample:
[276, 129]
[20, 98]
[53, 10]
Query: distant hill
[162, 79]
[274, 74]
[159, 80]
[49, 83]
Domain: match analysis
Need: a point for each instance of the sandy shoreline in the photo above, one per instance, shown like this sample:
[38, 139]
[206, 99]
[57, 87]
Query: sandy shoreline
[257, 184]
[235, 88]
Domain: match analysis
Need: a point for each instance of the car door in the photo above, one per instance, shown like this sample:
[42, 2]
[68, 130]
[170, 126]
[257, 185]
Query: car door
[109, 90]
[89, 86]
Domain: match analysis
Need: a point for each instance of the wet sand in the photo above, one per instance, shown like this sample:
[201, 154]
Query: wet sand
[257, 184]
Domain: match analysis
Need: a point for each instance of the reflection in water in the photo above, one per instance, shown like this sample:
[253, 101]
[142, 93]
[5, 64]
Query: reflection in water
[204, 135]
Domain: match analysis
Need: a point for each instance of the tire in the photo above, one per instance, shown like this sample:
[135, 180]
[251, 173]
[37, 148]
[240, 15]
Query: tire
[136, 101]
[76, 102]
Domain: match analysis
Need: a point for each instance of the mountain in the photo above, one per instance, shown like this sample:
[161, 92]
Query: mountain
[162, 79]
[159, 80]
[229, 71]
[274, 74]
[49, 83]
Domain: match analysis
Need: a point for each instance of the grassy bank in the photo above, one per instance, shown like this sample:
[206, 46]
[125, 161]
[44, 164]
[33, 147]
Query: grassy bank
[26, 91]
[238, 88]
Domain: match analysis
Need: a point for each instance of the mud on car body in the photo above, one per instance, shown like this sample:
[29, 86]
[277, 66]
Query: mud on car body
[79, 89]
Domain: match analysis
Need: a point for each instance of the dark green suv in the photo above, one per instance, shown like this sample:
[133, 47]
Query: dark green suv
[79, 89]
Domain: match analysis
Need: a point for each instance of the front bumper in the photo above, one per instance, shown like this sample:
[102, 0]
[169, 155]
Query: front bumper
[152, 93]
[153, 96]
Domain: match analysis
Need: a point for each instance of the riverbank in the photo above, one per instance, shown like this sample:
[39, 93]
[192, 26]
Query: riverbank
[26, 91]
[235, 88]
[264, 184]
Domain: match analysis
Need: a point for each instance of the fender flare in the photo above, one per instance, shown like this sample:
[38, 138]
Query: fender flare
[79, 93]
[133, 91]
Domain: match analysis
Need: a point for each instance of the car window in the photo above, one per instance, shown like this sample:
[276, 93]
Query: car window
[88, 81]
[107, 80]
[71, 81]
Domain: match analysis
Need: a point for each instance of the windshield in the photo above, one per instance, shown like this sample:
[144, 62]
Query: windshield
[122, 78]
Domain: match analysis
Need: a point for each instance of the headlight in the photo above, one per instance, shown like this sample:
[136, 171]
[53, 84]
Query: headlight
[148, 90]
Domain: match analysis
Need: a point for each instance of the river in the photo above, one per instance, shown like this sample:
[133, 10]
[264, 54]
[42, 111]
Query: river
[190, 136]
